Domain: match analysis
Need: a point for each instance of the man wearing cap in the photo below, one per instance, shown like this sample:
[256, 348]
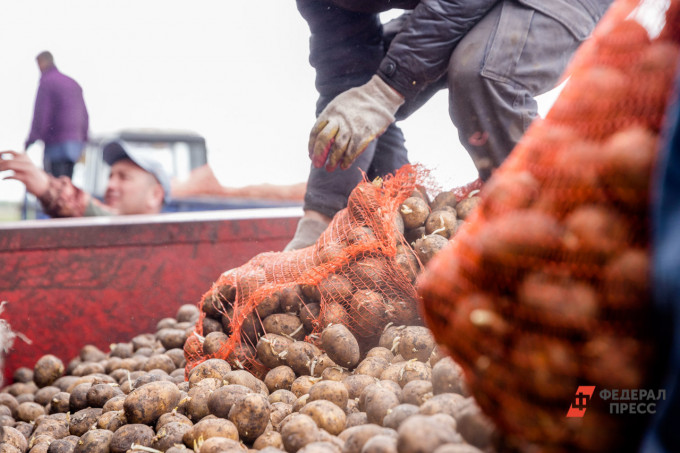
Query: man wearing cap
[137, 185]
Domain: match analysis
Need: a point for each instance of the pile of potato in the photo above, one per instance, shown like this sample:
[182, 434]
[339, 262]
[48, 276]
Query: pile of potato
[402, 395]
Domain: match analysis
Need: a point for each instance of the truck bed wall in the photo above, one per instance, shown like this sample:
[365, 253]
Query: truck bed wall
[74, 282]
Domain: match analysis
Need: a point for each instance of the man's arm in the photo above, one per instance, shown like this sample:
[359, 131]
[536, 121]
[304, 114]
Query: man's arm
[58, 196]
[42, 112]
[420, 53]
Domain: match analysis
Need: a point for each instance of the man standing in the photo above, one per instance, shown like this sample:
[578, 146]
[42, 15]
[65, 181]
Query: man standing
[493, 56]
[60, 118]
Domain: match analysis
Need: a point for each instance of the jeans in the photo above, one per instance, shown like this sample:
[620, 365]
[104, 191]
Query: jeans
[60, 158]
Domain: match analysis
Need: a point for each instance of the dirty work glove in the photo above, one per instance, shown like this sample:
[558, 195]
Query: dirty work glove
[351, 121]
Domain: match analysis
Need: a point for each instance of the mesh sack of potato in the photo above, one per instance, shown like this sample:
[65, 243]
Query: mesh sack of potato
[546, 287]
[360, 273]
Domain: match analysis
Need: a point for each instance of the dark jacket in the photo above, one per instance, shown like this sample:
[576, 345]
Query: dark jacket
[60, 114]
[348, 47]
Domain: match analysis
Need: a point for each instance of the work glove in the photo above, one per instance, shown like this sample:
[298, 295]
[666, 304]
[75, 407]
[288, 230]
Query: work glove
[351, 121]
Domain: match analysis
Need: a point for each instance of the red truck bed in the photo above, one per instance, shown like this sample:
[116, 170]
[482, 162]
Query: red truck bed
[73, 282]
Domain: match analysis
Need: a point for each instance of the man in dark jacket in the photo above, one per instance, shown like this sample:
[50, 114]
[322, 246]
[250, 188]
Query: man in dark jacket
[60, 118]
[494, 56]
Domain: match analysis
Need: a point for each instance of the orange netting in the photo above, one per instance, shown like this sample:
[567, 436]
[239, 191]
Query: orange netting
[360, 273]
[546, 286]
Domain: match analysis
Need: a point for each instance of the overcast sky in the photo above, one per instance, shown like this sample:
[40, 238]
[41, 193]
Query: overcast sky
[235, 72]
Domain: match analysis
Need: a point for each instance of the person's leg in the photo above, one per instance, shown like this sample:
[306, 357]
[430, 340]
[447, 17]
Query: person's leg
[62, 168]
[495, 72]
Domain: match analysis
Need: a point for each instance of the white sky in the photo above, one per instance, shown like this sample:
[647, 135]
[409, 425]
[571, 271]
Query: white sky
[235, 72]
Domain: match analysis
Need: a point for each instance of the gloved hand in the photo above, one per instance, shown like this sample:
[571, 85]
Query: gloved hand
[351, 121]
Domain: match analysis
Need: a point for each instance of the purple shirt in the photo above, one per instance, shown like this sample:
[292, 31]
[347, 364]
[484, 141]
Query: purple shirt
[60, 114]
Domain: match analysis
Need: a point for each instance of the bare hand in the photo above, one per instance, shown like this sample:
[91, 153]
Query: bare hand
[25, 171]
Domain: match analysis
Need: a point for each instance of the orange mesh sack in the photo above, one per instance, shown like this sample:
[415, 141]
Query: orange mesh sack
[545, 288]
[360, 273]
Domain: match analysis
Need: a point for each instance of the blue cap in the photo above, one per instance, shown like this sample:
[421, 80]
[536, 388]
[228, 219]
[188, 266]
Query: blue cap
[116, 150]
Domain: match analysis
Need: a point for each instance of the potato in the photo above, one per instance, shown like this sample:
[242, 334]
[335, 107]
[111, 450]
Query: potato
[243, 377]
[310, 315]
[210, 427]
[380, 444]
[113, 404]
[361, 235]
[596, 231]
[213, 342]
[368, 273]
[298, 430]
[332, 391]
[284, 324]
[211, 368]
[82, 420]
[268, 439]
[475, 427]
[282, 396]
[197, 406]
[44, 395]
[355, 419]
[300, 402]
[310, 294]
[443, 223]
[270, 349]
[417, 392]
[336, 288]
[415, 342]
[302, 384]
[326, 415]
[111, 420]
[221, 400]
[269, 305]
[368, 311]
[299, 356]
[29, 411]
[280, 377]
[407, 264]
[398, 414]
[559, 299]
[340, 345]
[414, 211]
[148, 402]
[208, 326]
[447, 377]
[372, 366]
[630, 155]
[334, 373]
[55, 428]
[626, 279]
[356, 436]
[133, 433]
[47, 369]
[99, 394]
[250, 414]
[172, 417]
[411, 236]
[10, 401]
[65, 445]
[428, 246]
[444, 199]
[378, 401]
[221, 445]
[95, 441]
[330, 252]
[466, 206]
[172, 338]
[279, 411]
[12, 436]
[444, 403]
[334, 313]
[320, 364]
[424, 433]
